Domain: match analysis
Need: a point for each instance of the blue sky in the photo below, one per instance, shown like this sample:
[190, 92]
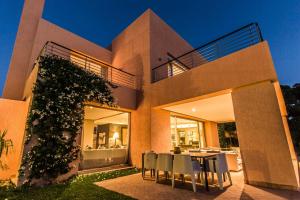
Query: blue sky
[198, 21]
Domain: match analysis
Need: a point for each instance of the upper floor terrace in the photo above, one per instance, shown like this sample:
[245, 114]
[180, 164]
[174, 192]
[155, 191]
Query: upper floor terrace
[234, 41]
[116, 76]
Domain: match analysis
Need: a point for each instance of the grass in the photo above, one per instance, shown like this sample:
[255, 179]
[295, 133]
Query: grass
[80, 187]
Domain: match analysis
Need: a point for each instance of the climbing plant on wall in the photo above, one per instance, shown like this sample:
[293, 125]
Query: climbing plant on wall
[56, 116]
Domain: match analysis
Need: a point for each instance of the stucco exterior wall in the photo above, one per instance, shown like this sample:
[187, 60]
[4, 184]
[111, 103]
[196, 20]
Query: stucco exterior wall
[263, 143]
[33, 33]
[19, 63]
[131, 49]
[160, 131]
[48, 31]
[247, 66]
[13, 117]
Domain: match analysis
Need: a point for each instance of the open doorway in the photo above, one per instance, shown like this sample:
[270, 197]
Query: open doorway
[105, 138]
[209, 126]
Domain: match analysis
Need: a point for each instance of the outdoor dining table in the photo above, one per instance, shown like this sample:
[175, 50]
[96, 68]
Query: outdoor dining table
[204, 156]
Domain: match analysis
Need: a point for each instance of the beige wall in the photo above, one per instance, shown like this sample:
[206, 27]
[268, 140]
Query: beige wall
[263, 143]
[13, 117]
[32, 35]
[160, 131]
[247, 66]
[19, 64]
[48, 31]
[211, 134]
[138, 48]
[131, 49]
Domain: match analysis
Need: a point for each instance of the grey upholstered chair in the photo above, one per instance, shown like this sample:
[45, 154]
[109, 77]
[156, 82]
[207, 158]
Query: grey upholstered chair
[220, 167]
[183, 164]
[149, 163]
[164, 163]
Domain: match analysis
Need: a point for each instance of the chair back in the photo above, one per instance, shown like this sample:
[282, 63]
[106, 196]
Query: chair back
[164, 162]
[219, 164]
[182, 164]
[150, 160]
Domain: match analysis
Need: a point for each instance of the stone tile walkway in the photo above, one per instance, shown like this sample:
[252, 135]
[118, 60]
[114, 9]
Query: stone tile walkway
[138, 188]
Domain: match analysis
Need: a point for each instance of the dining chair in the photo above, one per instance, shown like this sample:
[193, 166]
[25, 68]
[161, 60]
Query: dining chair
[164, 162]
[150, 163]
[220, 167]
[183, 164]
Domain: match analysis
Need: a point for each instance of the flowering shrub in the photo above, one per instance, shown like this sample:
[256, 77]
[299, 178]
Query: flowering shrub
[56, 116]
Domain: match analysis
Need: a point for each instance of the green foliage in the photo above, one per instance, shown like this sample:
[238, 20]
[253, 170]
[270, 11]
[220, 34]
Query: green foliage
[81, 187]
[5, 146]
[229, 127]
[56, 115]
[292, 101]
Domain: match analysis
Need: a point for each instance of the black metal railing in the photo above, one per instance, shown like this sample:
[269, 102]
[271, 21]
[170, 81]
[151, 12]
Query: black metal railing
[239, 39]
[106, 71]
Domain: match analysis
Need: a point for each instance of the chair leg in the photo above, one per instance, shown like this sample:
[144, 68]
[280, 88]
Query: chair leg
[157, 176]
[194, 182]
[224, 177]
[173, 180]
[229, 177]
[201, 177]
[212, 178]
[220, 180]
[151, 173]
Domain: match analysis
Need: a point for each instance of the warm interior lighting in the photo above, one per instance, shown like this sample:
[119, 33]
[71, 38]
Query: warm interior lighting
[116, 135]
[184, 126]
[193, 109]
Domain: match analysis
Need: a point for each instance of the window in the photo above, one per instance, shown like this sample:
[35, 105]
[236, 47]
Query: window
[104, 138]
[187, 133]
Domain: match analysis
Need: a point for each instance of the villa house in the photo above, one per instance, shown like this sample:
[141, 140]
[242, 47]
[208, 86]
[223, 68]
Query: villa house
[168, 94]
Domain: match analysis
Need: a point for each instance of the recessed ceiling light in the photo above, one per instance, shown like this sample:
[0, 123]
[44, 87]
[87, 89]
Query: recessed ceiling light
[90, 107]
[193, 109]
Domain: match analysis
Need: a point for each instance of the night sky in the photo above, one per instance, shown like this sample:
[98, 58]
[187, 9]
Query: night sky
[197, 21]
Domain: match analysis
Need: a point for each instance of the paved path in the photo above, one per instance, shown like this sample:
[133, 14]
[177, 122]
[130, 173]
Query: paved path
[138, 188]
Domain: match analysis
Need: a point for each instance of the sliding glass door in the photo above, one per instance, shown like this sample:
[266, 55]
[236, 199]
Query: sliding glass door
[104, 138]
[187, 133]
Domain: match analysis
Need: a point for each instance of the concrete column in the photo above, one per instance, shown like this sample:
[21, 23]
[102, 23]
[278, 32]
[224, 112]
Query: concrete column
[211, 134]
[267, 156]
[160, 131]
[18, 68]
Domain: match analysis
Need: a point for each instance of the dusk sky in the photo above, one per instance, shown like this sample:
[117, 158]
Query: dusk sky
[197, 21]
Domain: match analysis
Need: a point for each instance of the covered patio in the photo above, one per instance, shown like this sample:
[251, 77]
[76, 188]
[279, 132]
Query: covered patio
[137, 187]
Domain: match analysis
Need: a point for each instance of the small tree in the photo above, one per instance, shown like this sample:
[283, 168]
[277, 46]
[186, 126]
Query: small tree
[292, 102]
[5, 145]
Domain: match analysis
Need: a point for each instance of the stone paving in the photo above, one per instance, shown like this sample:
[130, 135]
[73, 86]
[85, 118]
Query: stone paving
[138, 188]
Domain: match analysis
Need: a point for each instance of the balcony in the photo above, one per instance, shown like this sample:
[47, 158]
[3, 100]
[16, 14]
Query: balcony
[241, 38]
[113, 75]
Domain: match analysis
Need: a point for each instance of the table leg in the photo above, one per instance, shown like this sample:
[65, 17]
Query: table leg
[205, 174]
[143, 169]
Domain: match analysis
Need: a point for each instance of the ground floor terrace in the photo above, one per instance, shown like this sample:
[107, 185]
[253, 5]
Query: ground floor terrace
[193, 125]
[137, 187]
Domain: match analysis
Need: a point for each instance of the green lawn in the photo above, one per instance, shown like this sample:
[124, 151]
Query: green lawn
[81, 187]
